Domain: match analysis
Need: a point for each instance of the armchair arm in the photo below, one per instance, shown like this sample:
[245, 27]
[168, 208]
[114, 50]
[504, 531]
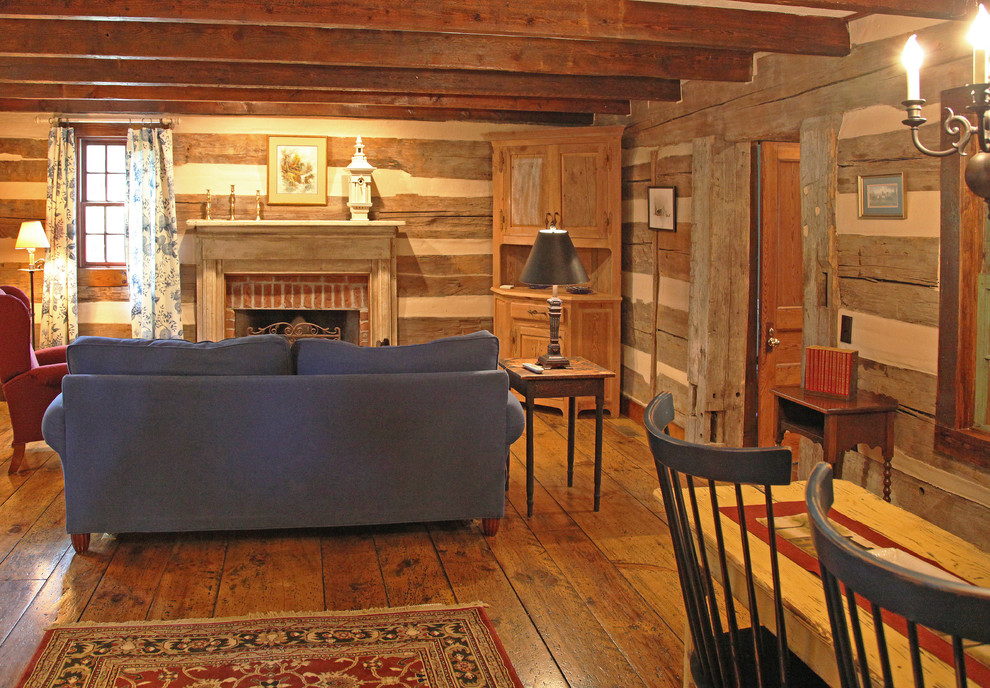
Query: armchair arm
[47, 375]
[54, 354]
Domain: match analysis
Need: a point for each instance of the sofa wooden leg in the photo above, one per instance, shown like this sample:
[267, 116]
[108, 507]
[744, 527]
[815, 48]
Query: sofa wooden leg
[80, 542]
[15, 458]
[489, 526]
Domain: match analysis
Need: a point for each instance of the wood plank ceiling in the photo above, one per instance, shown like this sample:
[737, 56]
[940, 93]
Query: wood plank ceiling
[553, 61]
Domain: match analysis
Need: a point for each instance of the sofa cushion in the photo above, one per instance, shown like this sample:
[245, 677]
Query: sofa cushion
[268, 354]
[475, 351]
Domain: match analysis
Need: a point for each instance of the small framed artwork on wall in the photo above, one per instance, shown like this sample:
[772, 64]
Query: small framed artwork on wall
[881, 195]
[297, 170]
[663, 207]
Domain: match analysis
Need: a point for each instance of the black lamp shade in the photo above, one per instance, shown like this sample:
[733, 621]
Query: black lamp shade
[553, 260]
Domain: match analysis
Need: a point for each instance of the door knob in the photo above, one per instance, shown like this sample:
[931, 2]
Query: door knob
[772, 341]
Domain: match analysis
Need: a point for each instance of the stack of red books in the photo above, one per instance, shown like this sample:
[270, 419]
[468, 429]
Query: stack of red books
[831, 371]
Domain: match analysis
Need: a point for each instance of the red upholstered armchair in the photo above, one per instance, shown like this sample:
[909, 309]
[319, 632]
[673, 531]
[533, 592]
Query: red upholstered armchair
[31, 379]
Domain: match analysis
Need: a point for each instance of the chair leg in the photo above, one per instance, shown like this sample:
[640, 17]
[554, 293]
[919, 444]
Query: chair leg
[80, 541]
[15, 458]
[489, 526]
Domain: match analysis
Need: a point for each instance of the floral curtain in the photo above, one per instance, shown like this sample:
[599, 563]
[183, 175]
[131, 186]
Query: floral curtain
[59, 314]
[152, 247]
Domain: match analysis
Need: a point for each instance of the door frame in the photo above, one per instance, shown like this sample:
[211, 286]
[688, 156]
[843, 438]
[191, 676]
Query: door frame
[755, 334]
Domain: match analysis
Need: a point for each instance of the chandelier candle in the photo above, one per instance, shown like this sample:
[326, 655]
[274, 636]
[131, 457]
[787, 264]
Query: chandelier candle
[978, 167]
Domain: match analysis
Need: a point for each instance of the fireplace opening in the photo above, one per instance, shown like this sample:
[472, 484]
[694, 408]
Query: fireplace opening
[299, 323]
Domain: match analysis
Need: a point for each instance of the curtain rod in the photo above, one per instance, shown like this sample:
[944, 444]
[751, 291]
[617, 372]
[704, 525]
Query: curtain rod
[83, 119]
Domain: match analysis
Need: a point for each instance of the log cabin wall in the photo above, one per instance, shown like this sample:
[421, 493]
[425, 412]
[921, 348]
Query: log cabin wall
[436, 177]
[846, 113]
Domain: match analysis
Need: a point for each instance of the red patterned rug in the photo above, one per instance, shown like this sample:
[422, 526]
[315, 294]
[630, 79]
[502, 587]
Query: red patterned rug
[415, 647]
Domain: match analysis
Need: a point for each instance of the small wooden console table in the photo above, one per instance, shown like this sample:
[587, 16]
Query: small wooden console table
[581, 378]
[838, 424]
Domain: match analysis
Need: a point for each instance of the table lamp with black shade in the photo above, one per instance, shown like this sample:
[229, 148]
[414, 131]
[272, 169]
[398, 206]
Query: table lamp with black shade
[553, 260]
[32, 237]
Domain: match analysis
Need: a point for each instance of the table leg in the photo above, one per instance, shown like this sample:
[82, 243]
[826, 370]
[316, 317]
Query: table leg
[571, 416]
[886, 478]
[599, 421]
[529, 455]
[888, 452]
[830, 447]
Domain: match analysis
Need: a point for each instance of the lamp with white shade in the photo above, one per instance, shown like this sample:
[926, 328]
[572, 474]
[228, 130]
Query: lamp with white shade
[32, 237]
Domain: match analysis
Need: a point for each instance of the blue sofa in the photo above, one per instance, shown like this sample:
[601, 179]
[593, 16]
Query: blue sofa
[252, 433]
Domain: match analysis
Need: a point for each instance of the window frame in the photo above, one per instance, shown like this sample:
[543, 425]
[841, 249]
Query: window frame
[963, 235]
[93, 134]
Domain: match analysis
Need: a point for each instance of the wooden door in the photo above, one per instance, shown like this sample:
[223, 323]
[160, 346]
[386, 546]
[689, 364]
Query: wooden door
[781, 307]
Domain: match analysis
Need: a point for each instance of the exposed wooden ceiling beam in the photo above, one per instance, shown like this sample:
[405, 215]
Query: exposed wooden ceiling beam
[356, 47]
[932, 9]
[52, 93]
[142, 107]
[391, 80]
[729, 29]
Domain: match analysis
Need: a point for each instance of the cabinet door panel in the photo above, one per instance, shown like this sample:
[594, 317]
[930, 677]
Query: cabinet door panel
[583, 193]
[532, 341]
[528, 188]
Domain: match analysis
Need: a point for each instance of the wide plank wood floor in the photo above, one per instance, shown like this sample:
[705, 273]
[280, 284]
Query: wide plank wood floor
[578, 598]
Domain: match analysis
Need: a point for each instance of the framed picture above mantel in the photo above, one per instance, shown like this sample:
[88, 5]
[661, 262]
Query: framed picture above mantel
[297, 170]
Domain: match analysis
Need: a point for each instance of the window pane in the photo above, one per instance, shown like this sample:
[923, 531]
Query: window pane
[94, 219]
[116, 187]
[115, 159]
[116, 248]
[116, 219]
[94, 248]
[96, 158]
[96, 189]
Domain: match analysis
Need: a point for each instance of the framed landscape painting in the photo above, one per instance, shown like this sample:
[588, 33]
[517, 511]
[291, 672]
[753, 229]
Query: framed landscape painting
[297, 170]
[881, 195]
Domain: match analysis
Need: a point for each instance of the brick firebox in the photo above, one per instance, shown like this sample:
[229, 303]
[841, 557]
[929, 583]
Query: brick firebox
[297, 292]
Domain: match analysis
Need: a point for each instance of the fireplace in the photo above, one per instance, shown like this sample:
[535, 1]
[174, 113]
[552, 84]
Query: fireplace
[304, 306]
[296, 265]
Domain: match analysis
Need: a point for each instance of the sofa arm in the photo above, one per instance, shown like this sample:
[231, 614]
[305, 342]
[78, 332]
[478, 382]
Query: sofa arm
[515, 420]
[53, 426]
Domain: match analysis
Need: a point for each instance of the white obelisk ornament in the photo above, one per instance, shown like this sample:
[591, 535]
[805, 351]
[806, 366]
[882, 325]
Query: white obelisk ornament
[359, 196]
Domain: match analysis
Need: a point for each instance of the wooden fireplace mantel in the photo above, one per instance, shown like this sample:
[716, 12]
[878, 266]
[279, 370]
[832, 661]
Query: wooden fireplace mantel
[339, 247]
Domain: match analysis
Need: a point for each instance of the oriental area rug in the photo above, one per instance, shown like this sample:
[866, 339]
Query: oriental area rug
[414, 647]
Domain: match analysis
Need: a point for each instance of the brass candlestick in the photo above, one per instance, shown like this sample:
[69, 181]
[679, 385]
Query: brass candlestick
[257, 205]
[231, 202]
[209, 205]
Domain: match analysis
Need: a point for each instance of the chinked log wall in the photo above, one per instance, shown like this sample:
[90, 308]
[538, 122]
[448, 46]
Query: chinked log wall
[440, 187]
[846, 113]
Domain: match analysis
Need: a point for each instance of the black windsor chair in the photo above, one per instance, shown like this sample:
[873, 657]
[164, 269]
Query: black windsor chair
[925, 602]
[727, 651]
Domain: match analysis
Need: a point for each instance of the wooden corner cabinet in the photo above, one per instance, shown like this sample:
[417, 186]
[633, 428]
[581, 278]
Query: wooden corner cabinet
[575, 173]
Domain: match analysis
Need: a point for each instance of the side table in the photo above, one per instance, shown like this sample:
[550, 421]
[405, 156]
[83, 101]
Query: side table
[838, 424]
[581, 378]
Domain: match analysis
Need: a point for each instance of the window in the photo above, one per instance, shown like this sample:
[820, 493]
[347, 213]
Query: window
[102, 192]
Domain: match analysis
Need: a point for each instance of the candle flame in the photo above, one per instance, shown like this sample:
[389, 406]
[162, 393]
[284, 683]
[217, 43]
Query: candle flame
[913, 55]
[979, 32]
